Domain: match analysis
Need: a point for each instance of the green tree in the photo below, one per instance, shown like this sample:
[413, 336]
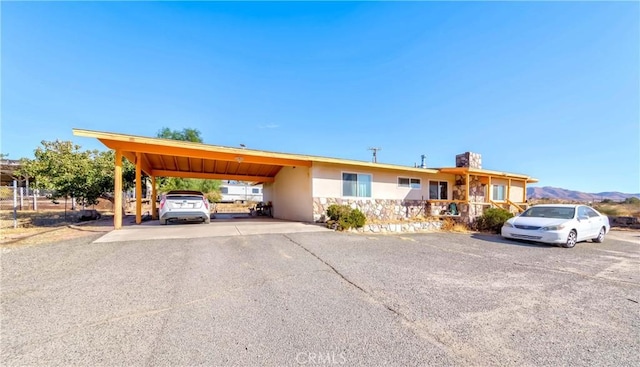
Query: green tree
[186, 134]
[60, 166]
[211, 188]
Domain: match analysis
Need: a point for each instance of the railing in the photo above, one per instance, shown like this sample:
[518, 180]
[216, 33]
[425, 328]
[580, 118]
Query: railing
[520, 210]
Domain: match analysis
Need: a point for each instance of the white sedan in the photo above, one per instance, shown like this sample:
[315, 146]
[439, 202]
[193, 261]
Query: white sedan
[563, 224]
[184, 205]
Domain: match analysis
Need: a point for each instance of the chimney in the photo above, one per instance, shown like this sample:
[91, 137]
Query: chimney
[469, 159]
[423, 161]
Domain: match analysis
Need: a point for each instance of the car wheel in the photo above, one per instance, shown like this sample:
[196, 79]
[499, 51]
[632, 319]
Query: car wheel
[163, 221]
[207, 220]
[600, 237]
[572, 238]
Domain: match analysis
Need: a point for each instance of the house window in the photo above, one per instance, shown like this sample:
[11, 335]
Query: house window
[438, 190]
[407, 182]
[356, 184]
[498, 192]
[255, 191]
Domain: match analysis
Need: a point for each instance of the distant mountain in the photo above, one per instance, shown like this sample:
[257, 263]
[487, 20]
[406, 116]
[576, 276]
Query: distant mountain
[557, 193]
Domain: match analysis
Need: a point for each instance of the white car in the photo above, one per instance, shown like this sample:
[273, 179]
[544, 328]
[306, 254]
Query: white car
[184, 205]
[563, 224]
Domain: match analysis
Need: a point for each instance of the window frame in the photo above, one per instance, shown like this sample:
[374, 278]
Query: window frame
[410, 185]
[357, 174]
[439, 182]
[504, 192]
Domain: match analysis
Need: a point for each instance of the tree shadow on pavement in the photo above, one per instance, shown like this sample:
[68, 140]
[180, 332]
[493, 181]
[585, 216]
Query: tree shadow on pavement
[488, 237]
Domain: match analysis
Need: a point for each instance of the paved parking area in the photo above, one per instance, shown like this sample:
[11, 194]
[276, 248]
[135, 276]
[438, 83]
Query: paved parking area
[153, 230]
[321, 298]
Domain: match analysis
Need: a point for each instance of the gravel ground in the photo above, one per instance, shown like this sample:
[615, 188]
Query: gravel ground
[321, 299]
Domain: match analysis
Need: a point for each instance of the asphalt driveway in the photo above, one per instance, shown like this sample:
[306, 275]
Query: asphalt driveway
[321, 298]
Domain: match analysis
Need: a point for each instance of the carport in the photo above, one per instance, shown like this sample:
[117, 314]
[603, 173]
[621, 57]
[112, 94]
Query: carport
[158, 157]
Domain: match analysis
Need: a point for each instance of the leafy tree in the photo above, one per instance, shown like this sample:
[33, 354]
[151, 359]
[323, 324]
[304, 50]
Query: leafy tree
[62, 167]
[211, 188]
[186, 134]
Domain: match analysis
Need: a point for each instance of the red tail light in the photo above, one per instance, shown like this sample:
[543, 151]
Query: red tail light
[162, 202]
[206, 202]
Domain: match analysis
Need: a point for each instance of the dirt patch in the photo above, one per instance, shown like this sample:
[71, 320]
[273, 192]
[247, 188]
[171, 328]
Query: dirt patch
[42, 235]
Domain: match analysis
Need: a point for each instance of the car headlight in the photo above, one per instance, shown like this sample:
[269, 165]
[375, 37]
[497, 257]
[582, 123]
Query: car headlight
[507, 224]
[553, 228]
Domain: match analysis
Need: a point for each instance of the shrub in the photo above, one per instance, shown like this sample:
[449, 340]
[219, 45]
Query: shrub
[342, 217]
[609, 211]
[492, 220]
[335, 211]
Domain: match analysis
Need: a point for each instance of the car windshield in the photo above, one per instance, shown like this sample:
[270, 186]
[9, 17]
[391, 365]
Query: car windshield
[550, 212]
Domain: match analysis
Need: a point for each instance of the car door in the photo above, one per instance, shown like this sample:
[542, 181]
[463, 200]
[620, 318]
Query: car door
[584, 224]
[596, 221]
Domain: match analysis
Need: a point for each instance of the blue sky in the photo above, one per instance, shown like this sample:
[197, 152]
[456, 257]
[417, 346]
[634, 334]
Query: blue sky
[548, 89]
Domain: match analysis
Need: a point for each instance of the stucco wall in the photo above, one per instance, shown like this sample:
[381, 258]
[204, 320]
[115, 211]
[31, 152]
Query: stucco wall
[327, 183]
[516, 193]
[290, 194]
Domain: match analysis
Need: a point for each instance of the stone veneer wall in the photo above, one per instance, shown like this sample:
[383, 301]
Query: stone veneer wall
[380, 209]
[469, 159]
[434, 225]
[477, 194]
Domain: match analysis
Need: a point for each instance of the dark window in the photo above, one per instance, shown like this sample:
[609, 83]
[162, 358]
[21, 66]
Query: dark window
[438, 190]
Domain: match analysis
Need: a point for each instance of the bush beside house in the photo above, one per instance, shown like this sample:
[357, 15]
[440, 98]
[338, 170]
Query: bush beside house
[342, 217]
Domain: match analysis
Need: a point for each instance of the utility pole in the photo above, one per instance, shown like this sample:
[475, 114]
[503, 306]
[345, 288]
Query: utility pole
[375, 154]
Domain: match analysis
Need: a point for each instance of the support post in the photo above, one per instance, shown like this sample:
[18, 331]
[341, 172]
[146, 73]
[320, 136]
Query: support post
[154, 195]
[22, 198]
[35, 200]
[138, 188]
[117, 202]
[15, 204]
[524, 192]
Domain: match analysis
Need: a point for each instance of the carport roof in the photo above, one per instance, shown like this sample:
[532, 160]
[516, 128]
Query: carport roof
[173, 158]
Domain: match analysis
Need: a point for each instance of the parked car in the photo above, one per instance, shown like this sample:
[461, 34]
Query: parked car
[563, 224]
[184, 205]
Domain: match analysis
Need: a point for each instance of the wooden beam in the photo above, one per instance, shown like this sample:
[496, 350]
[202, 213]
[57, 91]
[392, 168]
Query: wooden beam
[524, 191]
[154, 195]
[117, 194]
[138, 188]
[197, 153]
[211, 176]
[131, 157]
